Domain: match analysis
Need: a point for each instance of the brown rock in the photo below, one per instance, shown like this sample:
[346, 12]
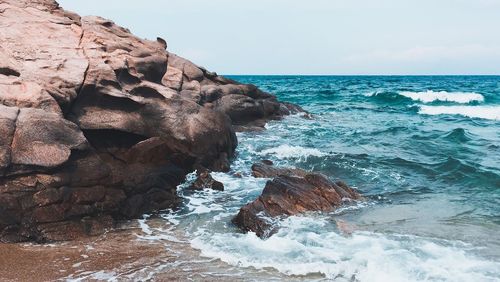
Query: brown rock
[173, 78]
[44, 139]
[292, 192]
[87, 196]
[240, 108]
[98, 123]
[23, 94]
[190, 70]
[204, 180]
[52, 213]
[74, 229]
[210, 93]
[47, 197]
[8, 117]
[192, 86]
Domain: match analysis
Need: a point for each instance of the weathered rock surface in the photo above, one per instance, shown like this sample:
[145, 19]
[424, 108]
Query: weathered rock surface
[98, 125]
[291, 192]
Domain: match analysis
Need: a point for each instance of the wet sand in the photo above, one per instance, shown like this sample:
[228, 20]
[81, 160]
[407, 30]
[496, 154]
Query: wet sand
[125, 254]
[107, 253]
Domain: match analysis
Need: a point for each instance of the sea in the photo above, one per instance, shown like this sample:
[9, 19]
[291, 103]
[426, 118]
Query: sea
[425, 152]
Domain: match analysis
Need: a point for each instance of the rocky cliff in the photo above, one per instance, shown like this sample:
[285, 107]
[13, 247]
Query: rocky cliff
[98, 125]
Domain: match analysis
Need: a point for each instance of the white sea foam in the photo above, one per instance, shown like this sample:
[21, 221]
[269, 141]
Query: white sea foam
[299, 248]
[94, 276]
[199, 203]
[443, 96]
[154, 234]
[287, 152]
[484, 112]
[431, 96]
[144, 226]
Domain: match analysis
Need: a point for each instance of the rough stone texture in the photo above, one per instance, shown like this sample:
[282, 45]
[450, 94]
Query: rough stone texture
[43, 139]
[98, 125]
[291, 192]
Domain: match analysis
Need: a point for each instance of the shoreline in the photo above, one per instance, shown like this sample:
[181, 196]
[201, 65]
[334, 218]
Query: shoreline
[122, 254]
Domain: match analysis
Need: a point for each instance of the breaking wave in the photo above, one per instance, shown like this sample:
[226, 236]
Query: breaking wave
[484, 112]
[292, 152]
[303, 247]
[443, 96]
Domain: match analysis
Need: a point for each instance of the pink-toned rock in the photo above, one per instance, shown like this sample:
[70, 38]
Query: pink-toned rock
[44, 44]
[15, 92]
[98, 123]
[173, 78]
[44, 139]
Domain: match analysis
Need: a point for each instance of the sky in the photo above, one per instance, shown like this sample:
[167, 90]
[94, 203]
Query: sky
[331, 37]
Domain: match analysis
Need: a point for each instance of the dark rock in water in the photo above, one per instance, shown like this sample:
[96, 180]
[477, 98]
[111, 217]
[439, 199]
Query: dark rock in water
[267, 162]
[289, 108]
[291, 192]
[237, 175]
[204, 180]
[97, 124]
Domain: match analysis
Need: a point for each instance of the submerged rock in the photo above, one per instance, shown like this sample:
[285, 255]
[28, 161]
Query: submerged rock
[96, 123]
[266, 169]
[291, 192]
[204, 180]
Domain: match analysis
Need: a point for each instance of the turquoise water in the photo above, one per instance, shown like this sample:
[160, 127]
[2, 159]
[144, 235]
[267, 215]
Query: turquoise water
[425, 151]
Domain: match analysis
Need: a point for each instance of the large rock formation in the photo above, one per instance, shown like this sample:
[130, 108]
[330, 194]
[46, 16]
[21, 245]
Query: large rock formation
[290, 192]
[97, 124]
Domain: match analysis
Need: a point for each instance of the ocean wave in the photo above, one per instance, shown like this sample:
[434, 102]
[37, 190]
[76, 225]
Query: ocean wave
[443, 96]
[452, 167]
[458, 135]
[391, 130]
[304, 247]
[289, 152]
[388, 97]
[484, 112]
[428, 96]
